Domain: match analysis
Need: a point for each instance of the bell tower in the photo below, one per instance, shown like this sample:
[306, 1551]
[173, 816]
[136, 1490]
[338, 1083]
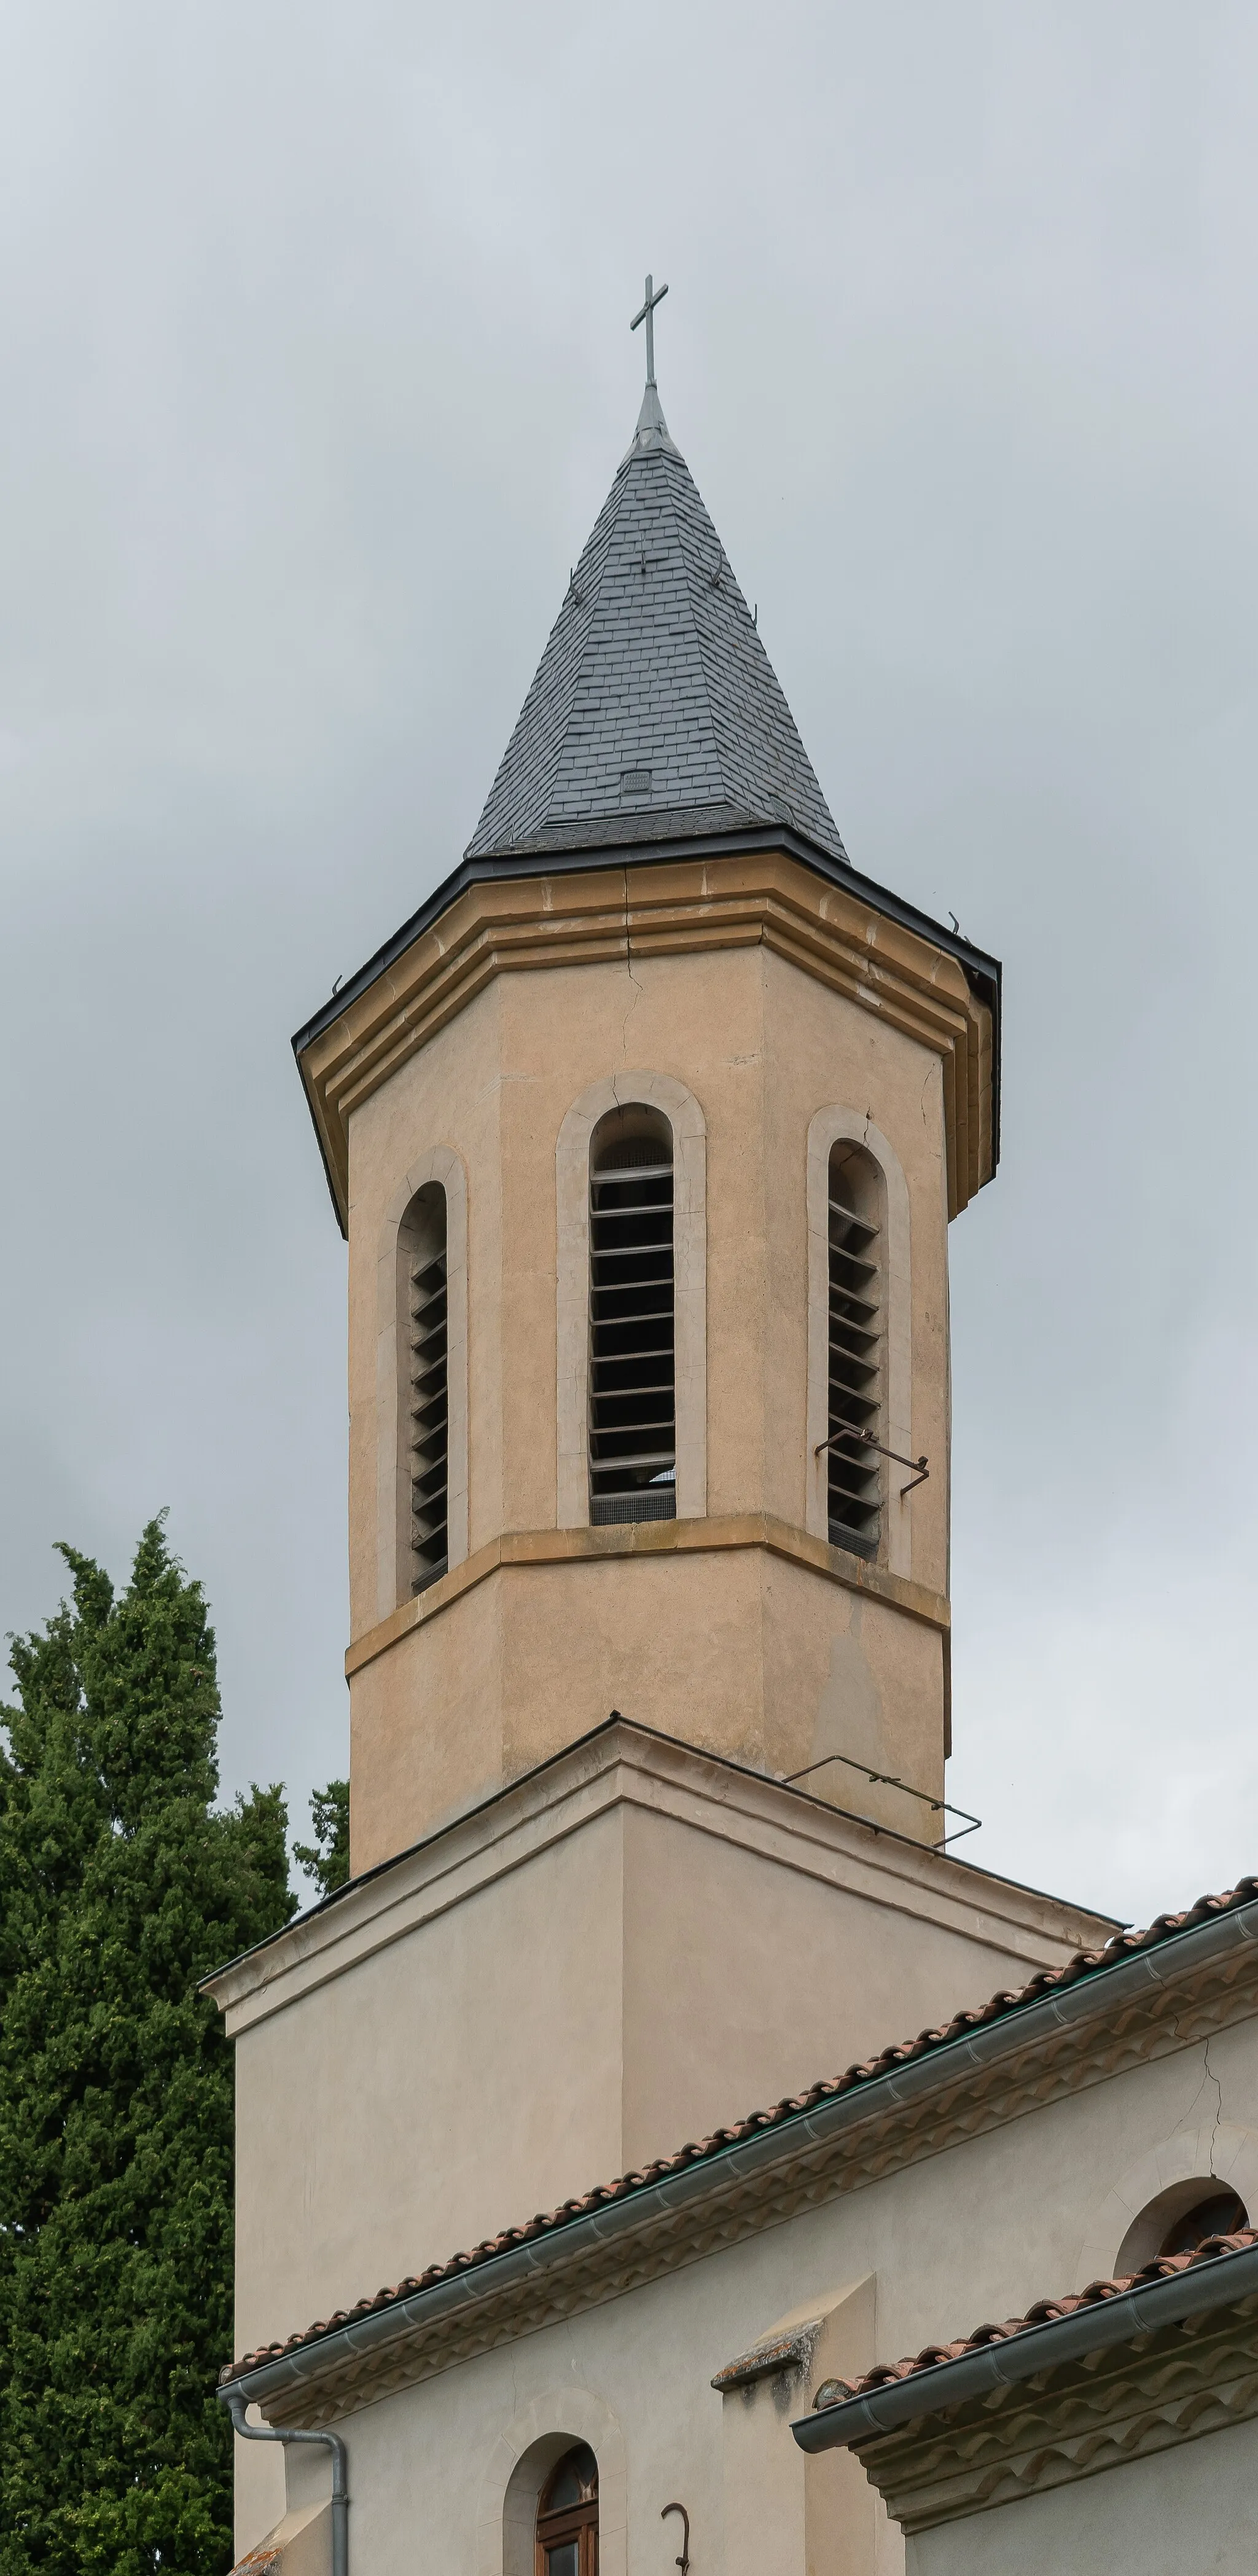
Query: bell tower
[645, 1133]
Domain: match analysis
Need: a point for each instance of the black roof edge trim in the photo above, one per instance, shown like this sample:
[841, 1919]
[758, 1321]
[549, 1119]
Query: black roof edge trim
[1215, 2283]
[983, 971]
[657, 1735]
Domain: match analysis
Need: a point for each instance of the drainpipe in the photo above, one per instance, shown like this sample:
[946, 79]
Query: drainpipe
[236, 2402]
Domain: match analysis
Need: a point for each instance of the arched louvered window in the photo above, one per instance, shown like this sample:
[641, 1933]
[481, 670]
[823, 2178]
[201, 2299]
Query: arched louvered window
[567, 2517]
[633, 1422]
[857, 1349]
[425, 1381]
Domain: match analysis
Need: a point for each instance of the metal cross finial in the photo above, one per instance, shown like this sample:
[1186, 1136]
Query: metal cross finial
[653, 297]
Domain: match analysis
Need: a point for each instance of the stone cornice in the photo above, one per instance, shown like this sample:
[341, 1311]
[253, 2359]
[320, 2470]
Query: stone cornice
[1101, 2408]
[1145, 2006]
[650, 1538]
[622, 1763]
[764, 897]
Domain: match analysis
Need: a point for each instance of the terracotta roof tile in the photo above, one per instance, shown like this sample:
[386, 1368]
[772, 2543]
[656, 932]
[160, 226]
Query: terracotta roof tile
[836, 2392]
[1084, 1963]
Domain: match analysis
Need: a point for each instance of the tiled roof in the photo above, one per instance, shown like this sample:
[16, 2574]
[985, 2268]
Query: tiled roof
[655, 711]
[885, 2374]
[1085, 1963]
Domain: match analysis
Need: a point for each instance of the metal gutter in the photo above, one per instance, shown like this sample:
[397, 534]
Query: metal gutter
[1216, 2283]
[819, 2126]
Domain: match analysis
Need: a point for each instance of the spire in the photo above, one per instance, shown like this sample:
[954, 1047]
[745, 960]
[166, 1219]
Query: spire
[655, 713]
[652, 429]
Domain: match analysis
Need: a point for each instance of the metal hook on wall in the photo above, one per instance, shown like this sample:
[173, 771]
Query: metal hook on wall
[853, 1431]
[684, 2561]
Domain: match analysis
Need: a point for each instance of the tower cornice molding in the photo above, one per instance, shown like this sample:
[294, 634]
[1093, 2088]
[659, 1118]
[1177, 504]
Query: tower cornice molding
[651, 1538]
[670, 907]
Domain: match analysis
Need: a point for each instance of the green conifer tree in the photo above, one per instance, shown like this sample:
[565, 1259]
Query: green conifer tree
[326, 1860]
[120, 1887]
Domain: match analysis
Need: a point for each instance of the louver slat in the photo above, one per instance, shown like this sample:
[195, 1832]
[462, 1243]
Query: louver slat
[854, 1484]
[430, 1421]
[632, 1426]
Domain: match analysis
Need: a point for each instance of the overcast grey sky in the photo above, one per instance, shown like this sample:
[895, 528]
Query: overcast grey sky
[313, 328]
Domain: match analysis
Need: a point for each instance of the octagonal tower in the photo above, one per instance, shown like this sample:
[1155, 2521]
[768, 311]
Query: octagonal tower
[645, 1133]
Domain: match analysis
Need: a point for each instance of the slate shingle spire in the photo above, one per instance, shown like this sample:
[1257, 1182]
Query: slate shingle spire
[655, 713]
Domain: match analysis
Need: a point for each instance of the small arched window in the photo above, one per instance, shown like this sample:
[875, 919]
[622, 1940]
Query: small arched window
[1179, 2220]
[567, 2517]
[857, 1348]
[425, 1390]
[1221, 2213]
[633, 1419]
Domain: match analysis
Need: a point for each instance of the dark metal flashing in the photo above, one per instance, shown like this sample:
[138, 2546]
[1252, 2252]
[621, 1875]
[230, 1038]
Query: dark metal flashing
[899, 2088]
[982, 971]
[649, 849]
[655, 1735]
[1224, 2279]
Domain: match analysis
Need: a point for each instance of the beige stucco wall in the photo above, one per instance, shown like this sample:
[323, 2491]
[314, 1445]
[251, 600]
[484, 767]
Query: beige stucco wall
[1194, 2509]
[619, 1954]
[492, 1674]
[738, 1649]
[977, 2232]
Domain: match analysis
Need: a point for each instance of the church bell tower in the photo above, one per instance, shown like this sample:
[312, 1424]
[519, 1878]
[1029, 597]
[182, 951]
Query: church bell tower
[645, 1133]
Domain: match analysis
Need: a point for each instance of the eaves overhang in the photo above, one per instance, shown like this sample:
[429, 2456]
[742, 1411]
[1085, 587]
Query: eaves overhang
[982, 972]
[1081, 2033]
[1142, 2310]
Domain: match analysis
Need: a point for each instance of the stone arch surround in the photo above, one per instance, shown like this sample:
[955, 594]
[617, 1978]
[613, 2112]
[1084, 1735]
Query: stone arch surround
[827, 1128]
[1223, 2150]
[443, 1165]
[519, 2464]
[690, 1265]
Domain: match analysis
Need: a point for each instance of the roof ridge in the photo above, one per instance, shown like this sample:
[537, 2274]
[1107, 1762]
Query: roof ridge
[600, 538]
[692, 605]
[619, 487]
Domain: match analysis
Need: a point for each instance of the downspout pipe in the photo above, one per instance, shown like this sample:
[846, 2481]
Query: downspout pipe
[237, 2404]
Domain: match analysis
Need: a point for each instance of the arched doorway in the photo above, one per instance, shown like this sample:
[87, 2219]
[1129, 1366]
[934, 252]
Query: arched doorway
[567, 2517]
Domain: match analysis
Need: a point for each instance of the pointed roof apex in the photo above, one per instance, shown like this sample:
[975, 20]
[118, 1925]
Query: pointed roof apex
[652, 429]
[655, 713]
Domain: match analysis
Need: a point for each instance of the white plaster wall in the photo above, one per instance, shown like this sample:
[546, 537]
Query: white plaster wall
[1187, 2512]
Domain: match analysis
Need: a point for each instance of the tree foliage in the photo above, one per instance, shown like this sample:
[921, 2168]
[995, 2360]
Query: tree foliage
[326, 1861]
[120, 1887]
